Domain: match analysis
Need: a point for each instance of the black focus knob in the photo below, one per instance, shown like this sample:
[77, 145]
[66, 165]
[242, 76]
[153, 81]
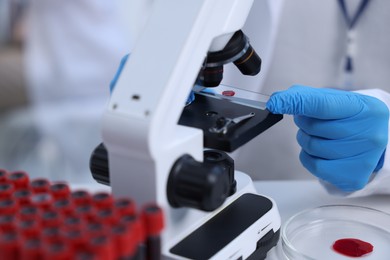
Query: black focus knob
[203, 186]
[98, 165]
[224, 161]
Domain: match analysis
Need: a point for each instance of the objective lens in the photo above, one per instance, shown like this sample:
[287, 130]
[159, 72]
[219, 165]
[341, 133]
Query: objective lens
[211, 76]
[249, 63]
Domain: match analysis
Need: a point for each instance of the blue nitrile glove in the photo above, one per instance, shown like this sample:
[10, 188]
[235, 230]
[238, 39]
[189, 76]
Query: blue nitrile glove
[343, 134]
[190, 98]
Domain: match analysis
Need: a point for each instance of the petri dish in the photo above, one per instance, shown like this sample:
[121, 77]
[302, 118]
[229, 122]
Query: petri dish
[311, 234]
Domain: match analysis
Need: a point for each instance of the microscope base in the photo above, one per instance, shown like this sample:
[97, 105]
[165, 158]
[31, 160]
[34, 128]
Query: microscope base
[245, 227]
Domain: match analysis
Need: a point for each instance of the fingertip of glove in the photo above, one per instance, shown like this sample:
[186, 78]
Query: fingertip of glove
[270, 105]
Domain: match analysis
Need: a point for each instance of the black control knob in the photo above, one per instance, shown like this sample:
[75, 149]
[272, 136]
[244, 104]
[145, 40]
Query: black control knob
[223, 160]
[203, 186]
[98, 165]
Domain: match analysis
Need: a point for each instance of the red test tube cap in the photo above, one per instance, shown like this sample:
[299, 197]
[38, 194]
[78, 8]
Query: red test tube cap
[19, 179]
[86, 212]
[60, 190]
[40, 186]
[125, 206]
[3, 176]
[81, 197]
[7, 223]
[103, 247]
[64, 206]
[108, 216]
[125, 239]
[8, 206]
[22, 196]
[102, 200]
[28, 212]
[29, 228]
[10, 245]
[96, 228]
[6, 190]
[74, 221]
[76, 238]
[51, 218]
[153, 219]
[58, 250]
[43, 201]
[51, 234]
[32, 249]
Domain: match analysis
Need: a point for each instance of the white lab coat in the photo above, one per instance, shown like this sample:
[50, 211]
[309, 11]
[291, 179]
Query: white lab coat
[72, 51]
[300, 42]
[306, 45]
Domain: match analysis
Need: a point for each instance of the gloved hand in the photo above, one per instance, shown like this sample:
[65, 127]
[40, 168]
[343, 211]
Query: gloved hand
[343, 134]
[191, 96]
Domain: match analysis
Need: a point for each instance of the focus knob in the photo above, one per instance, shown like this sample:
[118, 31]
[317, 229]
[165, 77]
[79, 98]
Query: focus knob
[224, 161]
[98, 164]
[197, 185]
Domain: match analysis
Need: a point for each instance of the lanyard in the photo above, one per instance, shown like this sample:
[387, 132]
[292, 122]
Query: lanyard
[351, 22]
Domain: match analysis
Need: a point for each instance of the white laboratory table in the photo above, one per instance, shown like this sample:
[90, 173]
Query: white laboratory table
[292, 197]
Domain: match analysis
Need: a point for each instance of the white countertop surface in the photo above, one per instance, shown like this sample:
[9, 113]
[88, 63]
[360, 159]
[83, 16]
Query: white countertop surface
[292, 197]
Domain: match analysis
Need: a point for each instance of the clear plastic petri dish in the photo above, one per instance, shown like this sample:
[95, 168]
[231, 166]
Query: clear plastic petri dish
[311, 234]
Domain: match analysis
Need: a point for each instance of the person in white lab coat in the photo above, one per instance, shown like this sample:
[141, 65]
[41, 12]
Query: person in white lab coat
[70, 54]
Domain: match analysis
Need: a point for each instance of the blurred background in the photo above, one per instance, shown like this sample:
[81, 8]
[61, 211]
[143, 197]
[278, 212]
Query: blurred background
[12, 85]
[57, 59]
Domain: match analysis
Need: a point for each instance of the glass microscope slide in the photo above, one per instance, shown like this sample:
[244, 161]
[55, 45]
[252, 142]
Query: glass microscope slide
[235, 95]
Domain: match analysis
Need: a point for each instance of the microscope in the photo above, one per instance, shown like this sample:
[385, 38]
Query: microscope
[156, 149]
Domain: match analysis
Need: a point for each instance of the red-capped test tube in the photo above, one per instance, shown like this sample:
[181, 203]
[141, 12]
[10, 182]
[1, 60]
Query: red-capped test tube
[135, 222]
[8, 206]
[102, 200]
[60, 190]
[64, 206]
[125, 206]
[3, 176]
[29, 228]
[22, 196]
[6, 190]
[40, 186]
[103, 247]
[94, 229]
[58, 250]
[42, 200]
[51, 235]
[7, 223]
[19, 179]
[51, 218]
[29, 212]
[10, 245]
[108, 216]
[32, 249]
[126, 242]
[81, 197]
[76, 238]
[153, 219]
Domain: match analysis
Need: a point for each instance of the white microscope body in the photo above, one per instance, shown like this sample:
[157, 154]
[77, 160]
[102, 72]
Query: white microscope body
[141, 130]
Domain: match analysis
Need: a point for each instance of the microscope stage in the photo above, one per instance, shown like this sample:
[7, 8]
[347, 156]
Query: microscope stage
[205, 112]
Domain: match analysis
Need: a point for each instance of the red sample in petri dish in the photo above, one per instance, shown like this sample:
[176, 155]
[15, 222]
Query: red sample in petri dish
[352, 247]
[228, 93]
